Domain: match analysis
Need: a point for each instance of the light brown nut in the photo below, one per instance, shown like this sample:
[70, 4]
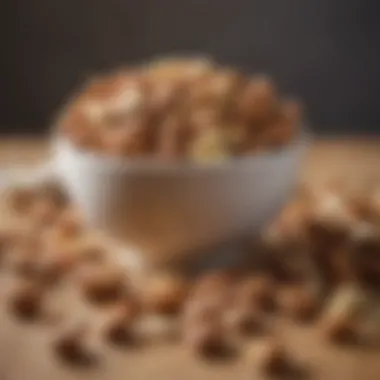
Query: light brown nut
[298, 302]
[133, 139]
[257, 291]
[245, 321]
[70, 224]
[165, 293]
[258, 103]
[20, 199]
[173, 137]
[43, 212]
[102, 284]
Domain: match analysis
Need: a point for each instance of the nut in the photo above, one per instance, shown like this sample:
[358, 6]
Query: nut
[245, 321]
[298, 302]
[206, 340]
[258, 103]
[43, 212]
[118, 329]
[273, 358]
[256, 290]
[165, 293]
[71, 346]
[26, 300]
[102, 284]
[340, 330]
[20, 199]
[70, 224]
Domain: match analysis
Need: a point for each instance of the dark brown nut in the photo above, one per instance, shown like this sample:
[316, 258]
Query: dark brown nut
[165, 293]
[20, 199]
[206, 340]
[245, 321]
[102, 284]
[298, 302]
[26, 301]
[340, 330]
[71, 346]
[258, 102]
[119, 329]
[273, 358]
[257, 291]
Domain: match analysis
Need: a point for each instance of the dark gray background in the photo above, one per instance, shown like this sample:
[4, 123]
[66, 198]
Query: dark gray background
[325, 51]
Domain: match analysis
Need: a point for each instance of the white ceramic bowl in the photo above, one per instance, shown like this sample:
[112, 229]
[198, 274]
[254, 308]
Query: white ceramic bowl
[169, 211]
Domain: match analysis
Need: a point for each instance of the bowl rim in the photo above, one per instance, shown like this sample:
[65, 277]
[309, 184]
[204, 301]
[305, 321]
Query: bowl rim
[104, 162]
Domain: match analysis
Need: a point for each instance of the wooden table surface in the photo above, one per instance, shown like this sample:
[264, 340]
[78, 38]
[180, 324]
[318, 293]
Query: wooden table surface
[24, 353]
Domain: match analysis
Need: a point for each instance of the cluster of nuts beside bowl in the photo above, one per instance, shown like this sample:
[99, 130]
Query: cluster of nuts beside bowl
[176, 109]
[321, 266]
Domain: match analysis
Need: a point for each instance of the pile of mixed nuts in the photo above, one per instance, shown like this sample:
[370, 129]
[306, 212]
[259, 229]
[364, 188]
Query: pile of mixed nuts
[320, 265]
